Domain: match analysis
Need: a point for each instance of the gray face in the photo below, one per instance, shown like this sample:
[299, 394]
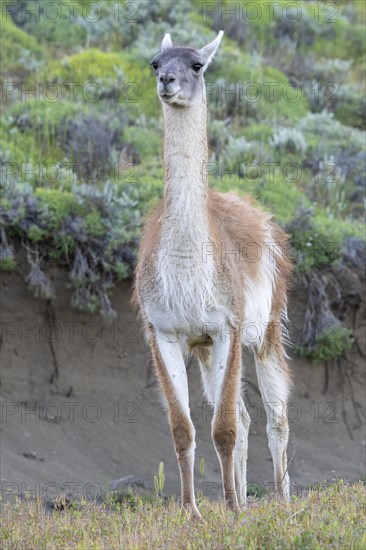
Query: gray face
[179, 75]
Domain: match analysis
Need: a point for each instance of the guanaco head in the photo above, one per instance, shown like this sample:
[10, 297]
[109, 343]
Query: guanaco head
[179, 71]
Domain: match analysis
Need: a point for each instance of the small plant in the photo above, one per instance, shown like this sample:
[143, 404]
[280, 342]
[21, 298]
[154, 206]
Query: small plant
[37, 280]
[159, 481]
[7, 261]
[200, 494]
[254, 490]
[330, 187]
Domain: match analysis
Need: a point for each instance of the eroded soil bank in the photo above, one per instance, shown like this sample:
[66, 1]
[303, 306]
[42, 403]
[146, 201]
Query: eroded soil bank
[81, 407]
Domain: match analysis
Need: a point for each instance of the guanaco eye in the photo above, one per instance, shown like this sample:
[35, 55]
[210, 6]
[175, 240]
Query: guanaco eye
[154, 65]
[197, 67]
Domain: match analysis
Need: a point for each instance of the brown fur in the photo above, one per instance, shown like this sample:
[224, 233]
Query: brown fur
[224, 426]
[235, 224]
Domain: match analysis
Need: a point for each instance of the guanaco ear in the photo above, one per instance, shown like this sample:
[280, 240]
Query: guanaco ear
[207, 52]
[166, 43]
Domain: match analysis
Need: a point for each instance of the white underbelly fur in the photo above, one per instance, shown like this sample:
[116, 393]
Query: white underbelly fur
[188, 302]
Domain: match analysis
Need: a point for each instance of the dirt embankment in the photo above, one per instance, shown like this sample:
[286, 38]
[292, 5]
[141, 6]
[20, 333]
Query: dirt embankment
[81, 407]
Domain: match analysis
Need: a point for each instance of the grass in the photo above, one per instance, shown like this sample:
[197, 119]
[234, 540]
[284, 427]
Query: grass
[332, 517]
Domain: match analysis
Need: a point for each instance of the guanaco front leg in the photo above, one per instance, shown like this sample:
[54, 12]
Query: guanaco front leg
[171, 371]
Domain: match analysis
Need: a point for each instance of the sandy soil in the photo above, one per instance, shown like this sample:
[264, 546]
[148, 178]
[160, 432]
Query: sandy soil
[81, 407]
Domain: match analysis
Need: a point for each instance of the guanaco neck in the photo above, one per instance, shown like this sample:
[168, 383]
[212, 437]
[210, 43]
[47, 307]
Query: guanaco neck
[185, 273]
[185, 159]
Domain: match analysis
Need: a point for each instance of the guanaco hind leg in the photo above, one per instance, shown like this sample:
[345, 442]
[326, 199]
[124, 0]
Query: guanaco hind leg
[274, 384]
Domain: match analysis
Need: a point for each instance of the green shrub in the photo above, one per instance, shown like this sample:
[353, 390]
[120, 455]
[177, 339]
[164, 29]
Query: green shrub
[126, 79]
[330, 130]
[271, 191]
[94, 232]
[139, 96]
[145, 141]
[42, 118]
[7, 256]
[340, 149]
[258, 132]
[36, 234]
[289, 140]
[35, 132]
[56, 206]
[350, 109]
[56, 28]
[329, 344]
[93, 224]
[300, 27]
[91, 142]
[16, 147]
[7, 264]
[245, 87]
[317, 238]
[92, 65]
[281, 197]
[344, 41]
[19, 52]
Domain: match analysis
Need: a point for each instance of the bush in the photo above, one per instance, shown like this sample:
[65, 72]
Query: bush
[336, 155]
[325, 125]
[42, 118]
[258, 132]
[332, 70]
[102, 71]
[89, 142]
[146, 141]
[34, 127]
[94, 232]
[19, 53]
[7, 255]
[105, 30]
[123, 79]
[271, 190]
[246, 88]
[238, 152]
[350, 108]
[330, 189]
[329, 344]
[290, 140]
[318, 238]
[302, 31]
[55, 207]
[54, 28]
[343, 41]
[323, 336]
